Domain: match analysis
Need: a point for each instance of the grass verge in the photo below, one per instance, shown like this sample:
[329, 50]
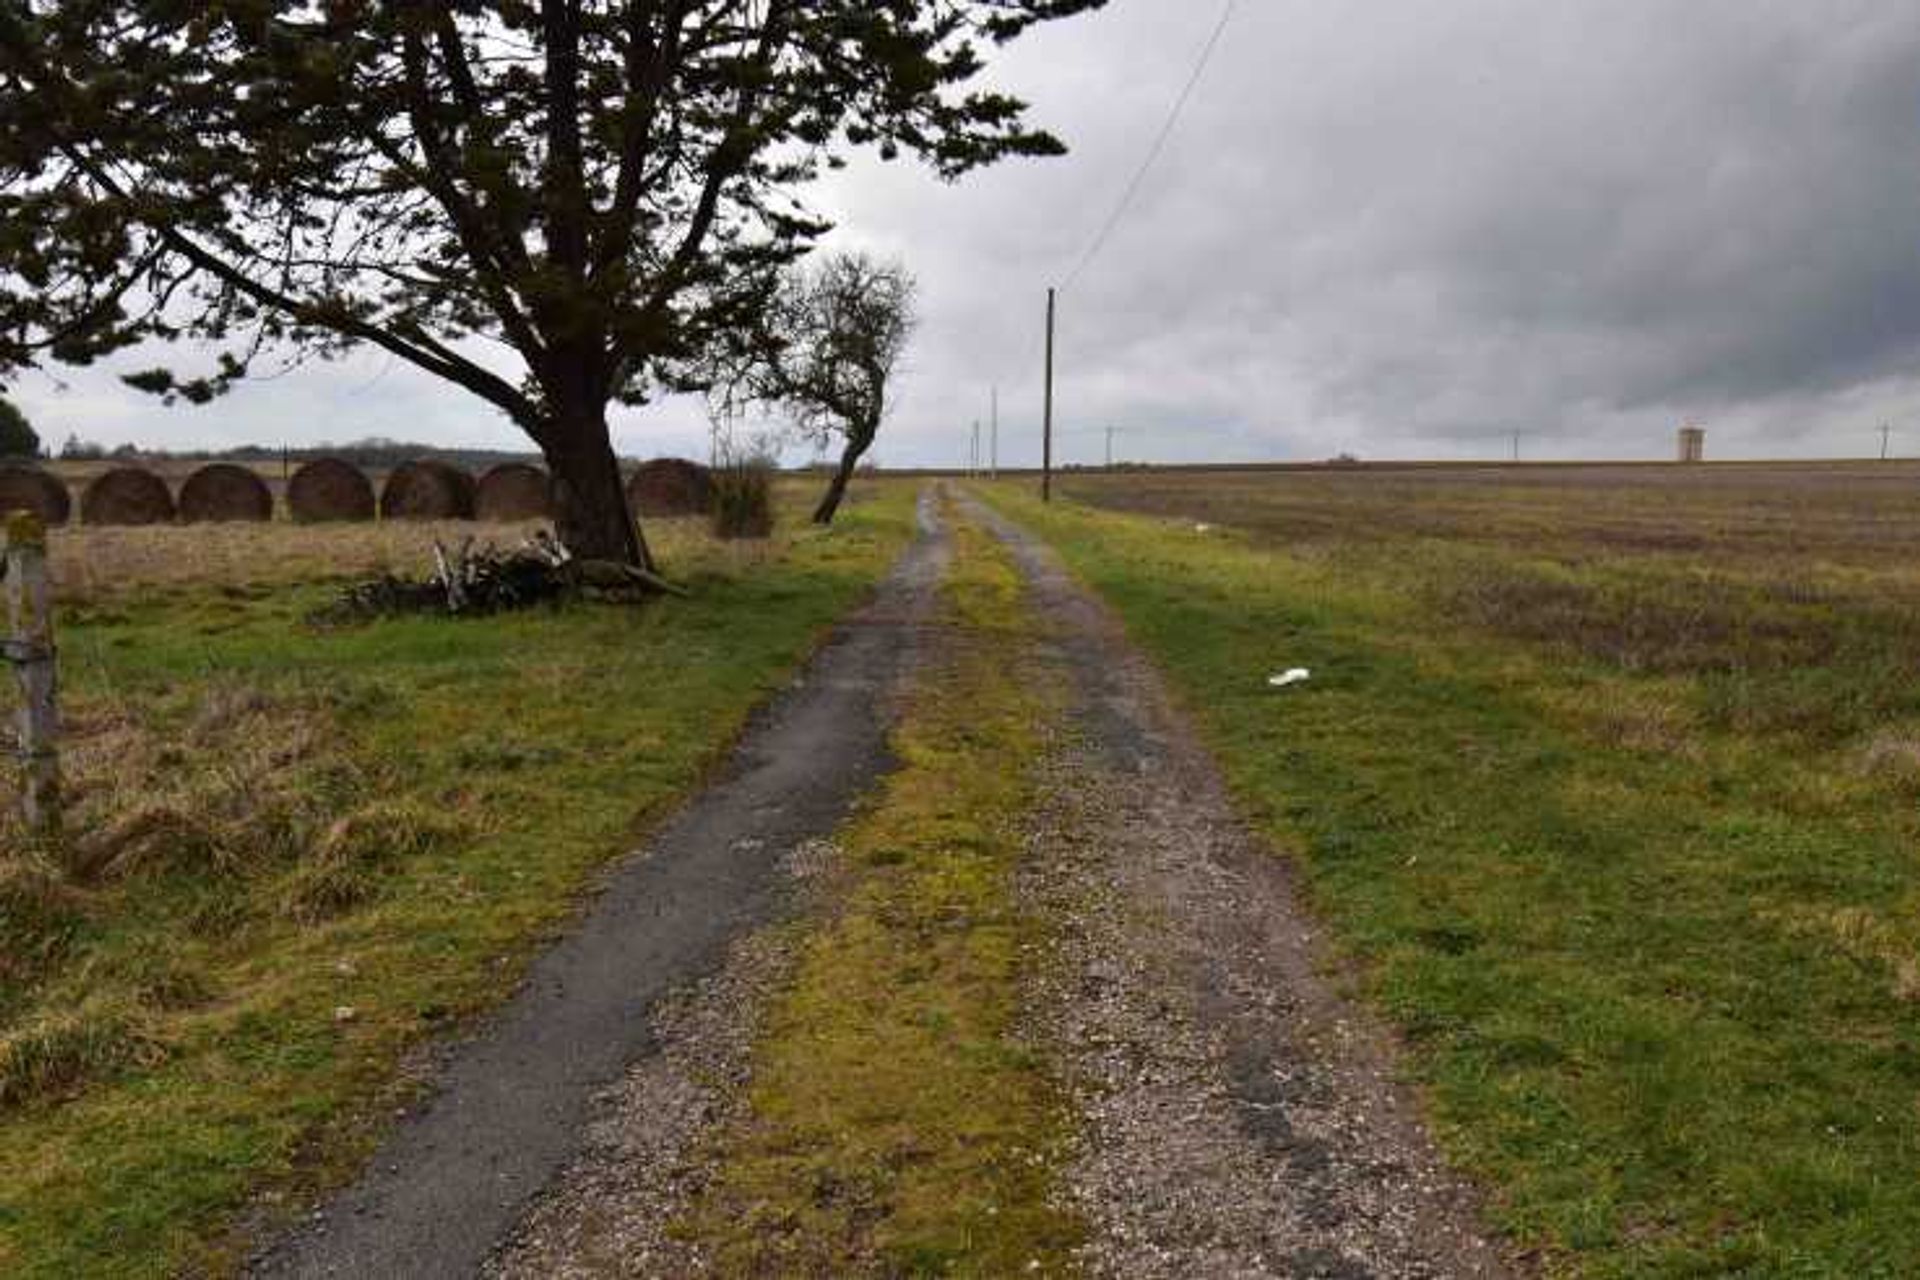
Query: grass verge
[303, 852]
[1656, 963]
[896, 1126]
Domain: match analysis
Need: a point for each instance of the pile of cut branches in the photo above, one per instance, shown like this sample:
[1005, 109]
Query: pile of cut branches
[470, 581]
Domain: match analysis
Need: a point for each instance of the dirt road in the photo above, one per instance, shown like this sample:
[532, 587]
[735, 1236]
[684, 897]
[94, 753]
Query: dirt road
[1234, 1114]
[1240, 1117]
[510, 1105]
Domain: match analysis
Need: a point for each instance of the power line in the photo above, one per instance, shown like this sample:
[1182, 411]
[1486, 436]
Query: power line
[1153, 152]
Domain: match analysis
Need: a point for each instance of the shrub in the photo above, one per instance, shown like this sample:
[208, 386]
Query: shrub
[743, 498]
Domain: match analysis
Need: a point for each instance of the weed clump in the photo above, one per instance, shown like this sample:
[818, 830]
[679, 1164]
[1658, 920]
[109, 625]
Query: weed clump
[344, 867]
[39, 913]
[59, 1051]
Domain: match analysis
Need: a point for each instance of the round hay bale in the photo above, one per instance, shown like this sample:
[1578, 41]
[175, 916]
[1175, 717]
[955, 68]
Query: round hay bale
[225, 491]
[127, 495]
[31, 489]
[426, 489]
[329, 489]
[514, 491]
[670, 487]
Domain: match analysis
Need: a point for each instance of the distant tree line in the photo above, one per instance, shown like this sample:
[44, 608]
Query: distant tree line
[375, 453]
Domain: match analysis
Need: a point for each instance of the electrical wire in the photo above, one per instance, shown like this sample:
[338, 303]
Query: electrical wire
[1153, 152]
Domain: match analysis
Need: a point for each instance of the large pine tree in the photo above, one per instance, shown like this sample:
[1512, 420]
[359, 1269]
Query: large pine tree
[593, 189]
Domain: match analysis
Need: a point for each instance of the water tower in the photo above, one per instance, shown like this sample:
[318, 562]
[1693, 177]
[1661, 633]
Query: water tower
[1693, 443]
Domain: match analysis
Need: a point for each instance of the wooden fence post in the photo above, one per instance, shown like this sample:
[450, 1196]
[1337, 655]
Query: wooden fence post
[29, 648]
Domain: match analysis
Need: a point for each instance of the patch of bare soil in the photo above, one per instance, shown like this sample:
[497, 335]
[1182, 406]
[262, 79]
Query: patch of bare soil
[1241, 1118]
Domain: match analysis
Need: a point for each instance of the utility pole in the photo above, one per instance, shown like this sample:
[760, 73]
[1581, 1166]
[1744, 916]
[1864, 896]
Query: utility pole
[1046, 427]
[993, 449]
[1886, 434]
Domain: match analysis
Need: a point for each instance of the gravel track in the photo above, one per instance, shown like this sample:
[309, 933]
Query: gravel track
[515, 1104]
[1240, 1117]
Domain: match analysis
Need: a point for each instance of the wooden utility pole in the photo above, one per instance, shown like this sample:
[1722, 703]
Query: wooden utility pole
[993, 437]
[29, 649]
[1046, 428]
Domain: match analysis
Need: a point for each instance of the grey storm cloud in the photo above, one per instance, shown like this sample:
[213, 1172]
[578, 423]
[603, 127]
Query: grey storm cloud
[1397, 228]
[1422, 226]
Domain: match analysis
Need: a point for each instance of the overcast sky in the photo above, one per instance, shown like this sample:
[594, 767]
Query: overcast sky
[1394, 228]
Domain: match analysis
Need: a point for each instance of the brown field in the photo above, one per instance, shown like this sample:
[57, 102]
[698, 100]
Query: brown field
[1799, 578]
[1852, 513]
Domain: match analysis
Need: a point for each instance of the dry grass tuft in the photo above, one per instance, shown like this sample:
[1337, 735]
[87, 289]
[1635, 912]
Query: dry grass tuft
[230, 781]
[342, 870]
[1868, 938]
[39, 912]
[60, 1051]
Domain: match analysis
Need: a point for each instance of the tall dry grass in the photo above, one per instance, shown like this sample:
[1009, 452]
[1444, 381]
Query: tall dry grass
[90, 565]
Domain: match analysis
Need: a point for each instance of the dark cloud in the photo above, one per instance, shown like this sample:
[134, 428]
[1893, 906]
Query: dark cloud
[1395, 228]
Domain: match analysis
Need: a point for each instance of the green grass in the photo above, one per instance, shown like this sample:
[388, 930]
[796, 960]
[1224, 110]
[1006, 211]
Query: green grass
[897, 1126]
[1625, 842]
[307, 851]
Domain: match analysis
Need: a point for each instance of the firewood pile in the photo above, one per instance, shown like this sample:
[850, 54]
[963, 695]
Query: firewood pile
[473, 581]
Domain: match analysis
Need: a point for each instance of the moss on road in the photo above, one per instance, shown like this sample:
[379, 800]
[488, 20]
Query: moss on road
[896, 1124]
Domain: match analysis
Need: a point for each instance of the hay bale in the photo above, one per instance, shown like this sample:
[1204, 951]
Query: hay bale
[225, 491]
[427, 489]
[670, 487]
[329, 489]
[514, 491]
[31, 489]
[127, 495]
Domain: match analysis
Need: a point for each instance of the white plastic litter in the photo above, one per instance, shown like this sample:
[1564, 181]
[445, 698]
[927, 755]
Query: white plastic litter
[1201, 526]
[1292, 675]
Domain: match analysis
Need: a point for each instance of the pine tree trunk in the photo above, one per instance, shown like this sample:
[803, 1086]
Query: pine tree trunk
[590, 511]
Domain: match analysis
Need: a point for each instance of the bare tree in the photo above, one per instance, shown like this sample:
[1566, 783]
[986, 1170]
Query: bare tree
[822, 355]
